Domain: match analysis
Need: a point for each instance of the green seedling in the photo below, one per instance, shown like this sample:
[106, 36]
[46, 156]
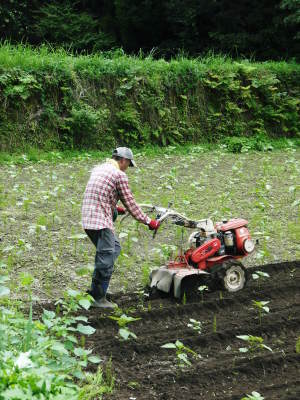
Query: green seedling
[145, 274]
[76, 238]
[11, 260]
[141, 295]
[37, 229]
[123, 321]
[26, 205]
[298, 345]
[182, 352]
[73, 301]
[202, 289]
[254, 343]
[133, 385]
[85, 270]
[195, 325]
[253, 396]
[27, 281]
[260, 276]
[55, 219]
[261, 307]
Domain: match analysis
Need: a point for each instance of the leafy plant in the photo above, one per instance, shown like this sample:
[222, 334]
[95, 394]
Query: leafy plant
[253, 396]
[182, 352]
[123, 321]
[254, 343]
[41, 363]
[202, 289]
[73, 300]
[260, 276]
[195, 325]
[261, 307]
[76, 238]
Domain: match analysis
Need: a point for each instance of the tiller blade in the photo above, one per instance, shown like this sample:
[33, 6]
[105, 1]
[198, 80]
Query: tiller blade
[170, 280]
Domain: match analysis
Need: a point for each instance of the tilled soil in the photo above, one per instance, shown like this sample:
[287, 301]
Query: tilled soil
[143, 370]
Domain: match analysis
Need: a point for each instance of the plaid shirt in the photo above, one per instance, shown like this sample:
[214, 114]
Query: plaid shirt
[107, 185]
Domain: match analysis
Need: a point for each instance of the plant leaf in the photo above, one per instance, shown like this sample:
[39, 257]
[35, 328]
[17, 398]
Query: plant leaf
[59, 347]
[267, 347]
[4, 291]
[243, 349]
[85, 303]
[95, 359]
[244, 337]
[168, 346]
[124, 333]
[85, 329]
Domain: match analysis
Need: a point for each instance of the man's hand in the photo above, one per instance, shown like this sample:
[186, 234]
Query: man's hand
[153, 225]
[121, 210]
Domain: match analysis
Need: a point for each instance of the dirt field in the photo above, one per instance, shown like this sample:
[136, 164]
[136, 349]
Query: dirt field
[40, 207]
[143, 370]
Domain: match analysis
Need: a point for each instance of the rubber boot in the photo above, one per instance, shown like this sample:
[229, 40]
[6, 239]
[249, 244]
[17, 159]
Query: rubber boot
[104, 303]
[100, 300]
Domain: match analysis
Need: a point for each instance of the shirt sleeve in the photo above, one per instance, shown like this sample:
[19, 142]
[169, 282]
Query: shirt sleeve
[128, 200]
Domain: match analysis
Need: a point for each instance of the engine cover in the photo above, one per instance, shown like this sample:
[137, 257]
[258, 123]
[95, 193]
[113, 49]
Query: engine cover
[208, 249]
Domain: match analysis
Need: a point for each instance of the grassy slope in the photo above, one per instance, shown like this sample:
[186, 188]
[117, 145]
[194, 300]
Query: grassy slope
[52, 99]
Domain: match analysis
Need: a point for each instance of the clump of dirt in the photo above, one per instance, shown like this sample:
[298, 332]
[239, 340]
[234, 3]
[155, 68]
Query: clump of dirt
[143, 370]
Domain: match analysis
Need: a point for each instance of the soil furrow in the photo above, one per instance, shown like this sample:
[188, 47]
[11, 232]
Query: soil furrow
[145, 371]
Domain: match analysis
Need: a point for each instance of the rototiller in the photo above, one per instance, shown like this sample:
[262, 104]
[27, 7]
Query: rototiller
[212, 257]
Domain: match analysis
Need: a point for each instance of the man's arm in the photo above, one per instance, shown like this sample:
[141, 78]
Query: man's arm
[129, 202]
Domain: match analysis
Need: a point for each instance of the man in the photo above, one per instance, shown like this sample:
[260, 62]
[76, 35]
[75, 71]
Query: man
[108, 183]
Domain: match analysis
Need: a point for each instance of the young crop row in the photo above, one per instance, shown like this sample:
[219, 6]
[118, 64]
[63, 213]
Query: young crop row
[47, 199]
[45, 358]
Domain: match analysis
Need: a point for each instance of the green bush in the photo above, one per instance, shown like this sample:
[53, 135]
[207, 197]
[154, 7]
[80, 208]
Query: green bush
[82, 129]
[236, 144]
[51, 99]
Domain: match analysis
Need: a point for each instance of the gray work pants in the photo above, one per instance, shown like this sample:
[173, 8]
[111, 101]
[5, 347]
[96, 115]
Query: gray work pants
[107, 250]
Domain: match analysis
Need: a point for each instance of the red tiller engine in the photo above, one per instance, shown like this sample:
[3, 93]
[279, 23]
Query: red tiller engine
[231, 240]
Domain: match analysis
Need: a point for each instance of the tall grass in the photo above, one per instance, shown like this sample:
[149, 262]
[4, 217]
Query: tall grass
[37, 58]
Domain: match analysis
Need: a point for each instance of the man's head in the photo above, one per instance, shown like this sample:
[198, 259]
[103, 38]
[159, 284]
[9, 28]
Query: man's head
[124, 157]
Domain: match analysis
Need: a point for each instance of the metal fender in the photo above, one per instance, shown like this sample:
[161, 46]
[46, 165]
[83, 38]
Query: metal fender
[162, 279]
[183, 274]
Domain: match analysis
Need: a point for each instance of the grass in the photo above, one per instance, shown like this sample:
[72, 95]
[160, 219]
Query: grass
[38, 58]
[32, 154]
[41, 208]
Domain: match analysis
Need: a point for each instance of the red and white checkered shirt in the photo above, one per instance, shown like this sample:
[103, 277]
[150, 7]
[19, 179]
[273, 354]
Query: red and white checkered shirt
[107, 185]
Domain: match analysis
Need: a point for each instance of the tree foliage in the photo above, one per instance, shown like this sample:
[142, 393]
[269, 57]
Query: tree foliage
[293, 18]
[263, 29]
[60, 24]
